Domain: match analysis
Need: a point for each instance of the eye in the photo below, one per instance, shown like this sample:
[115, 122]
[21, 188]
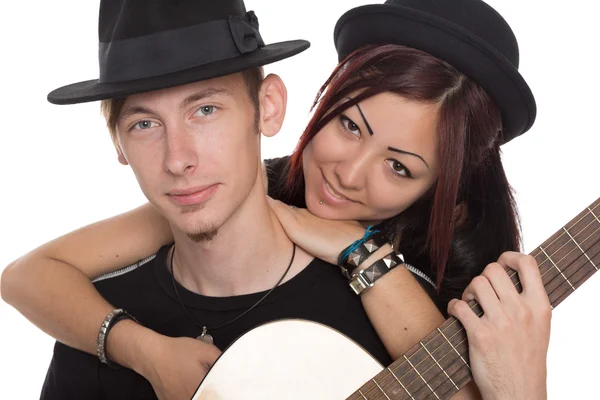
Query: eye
[206, 110]
[349, 125]
[398, 168]
[145, 124]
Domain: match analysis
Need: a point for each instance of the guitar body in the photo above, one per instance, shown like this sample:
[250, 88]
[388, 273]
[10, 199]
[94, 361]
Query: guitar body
[289, 359]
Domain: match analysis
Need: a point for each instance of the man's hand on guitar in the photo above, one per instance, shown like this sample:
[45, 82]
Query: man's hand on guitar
[176, 366]
[508, 345]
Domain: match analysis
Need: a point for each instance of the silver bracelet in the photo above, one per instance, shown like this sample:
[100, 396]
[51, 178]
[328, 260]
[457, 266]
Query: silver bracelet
[111, 319]
[364, 279]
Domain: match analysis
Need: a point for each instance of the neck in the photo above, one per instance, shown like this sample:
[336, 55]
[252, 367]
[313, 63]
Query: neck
[249, 254]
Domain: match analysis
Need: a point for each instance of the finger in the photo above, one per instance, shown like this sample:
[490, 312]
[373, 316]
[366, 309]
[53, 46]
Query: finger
[461, 310]
[481, 289]
[499, 278]
[528, 270]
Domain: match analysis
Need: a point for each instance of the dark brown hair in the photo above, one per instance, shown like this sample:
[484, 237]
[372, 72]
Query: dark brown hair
[111, 109]
[471, 200]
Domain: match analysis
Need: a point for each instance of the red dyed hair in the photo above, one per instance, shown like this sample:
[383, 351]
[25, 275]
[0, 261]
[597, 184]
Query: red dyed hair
[469, 125]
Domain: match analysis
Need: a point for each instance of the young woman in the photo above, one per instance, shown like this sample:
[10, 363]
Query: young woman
[399, 139]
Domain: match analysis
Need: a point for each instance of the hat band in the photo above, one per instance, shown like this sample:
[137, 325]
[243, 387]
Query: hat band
[176, 50]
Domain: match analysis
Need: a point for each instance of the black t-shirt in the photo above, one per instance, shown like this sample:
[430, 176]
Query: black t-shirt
[318, 293]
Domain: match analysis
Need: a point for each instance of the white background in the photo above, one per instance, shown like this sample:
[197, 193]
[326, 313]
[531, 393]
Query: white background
[59, 170]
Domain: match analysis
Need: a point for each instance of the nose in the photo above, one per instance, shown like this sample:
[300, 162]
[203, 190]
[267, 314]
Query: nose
[181, 157]
[352, 171]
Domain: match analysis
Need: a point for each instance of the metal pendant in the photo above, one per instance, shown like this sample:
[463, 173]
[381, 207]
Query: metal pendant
[205, 337]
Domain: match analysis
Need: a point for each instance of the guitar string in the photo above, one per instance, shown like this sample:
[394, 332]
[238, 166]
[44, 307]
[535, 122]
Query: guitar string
[587, 213]
[551, 269]
[445, 381]
[443, 370]
[462, 330]
[518, 282]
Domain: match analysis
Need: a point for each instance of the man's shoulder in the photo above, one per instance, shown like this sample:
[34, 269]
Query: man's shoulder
[148, 262]
[138, 288]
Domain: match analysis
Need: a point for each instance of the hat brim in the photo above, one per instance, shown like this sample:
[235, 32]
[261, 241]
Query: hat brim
[93, 90]
[391, 24]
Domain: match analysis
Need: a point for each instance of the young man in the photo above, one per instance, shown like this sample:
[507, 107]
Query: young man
[188, 123]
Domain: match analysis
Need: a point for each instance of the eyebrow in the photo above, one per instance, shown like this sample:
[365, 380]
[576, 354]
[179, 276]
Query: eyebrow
[389, 148]
[184, 103]
[365, 120]
[409, 153]
[129, 111]
[208, 92]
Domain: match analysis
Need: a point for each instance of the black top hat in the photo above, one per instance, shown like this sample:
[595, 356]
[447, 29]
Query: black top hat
[149, 45]
[468, 34]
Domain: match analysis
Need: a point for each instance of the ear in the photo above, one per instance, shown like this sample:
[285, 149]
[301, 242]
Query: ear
[273, 102]
[120, 155]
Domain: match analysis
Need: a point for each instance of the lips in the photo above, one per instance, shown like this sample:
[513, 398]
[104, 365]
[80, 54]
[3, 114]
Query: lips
[332, 196]
[334, 192]
[192, 195]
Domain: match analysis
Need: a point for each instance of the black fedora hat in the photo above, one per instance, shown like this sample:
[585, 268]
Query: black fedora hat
[468, 34]
[149, 45]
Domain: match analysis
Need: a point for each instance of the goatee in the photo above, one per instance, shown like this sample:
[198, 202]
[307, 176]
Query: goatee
[203, 237]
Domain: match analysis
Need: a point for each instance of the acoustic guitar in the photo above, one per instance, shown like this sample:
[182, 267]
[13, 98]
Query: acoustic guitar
[296, 359]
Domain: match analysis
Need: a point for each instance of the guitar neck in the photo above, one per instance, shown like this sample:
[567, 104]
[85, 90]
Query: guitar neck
[438, 366]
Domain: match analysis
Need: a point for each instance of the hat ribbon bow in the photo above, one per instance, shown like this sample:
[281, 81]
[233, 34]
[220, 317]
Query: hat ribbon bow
[245, 34]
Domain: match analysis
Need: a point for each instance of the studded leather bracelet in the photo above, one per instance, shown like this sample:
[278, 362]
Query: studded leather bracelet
[111, 319]
[364, 279]
[355, 254]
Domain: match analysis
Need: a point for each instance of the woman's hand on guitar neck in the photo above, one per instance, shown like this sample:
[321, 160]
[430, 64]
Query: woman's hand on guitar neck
[508, 345]
[176, 366]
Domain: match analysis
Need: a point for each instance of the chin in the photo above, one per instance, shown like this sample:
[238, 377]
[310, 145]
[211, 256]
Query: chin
[193, 220]
[201, 231]
[327, 212]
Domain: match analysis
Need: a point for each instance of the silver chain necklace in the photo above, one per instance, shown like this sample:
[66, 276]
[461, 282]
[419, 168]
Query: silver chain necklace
[205, 336]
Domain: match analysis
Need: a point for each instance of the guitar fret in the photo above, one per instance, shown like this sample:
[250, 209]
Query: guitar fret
[454, 348]
[377, 384]
[595, 216]
[418, 373]
[565, 294]
[361, 393]
[398, 380]
[461, 377]
[584, 253]
[555, 266]
[445, 386]
[438, 364]
[581, 273]
[584, 234]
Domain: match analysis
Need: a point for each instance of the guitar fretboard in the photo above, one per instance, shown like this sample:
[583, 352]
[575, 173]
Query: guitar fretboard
[438, 366]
